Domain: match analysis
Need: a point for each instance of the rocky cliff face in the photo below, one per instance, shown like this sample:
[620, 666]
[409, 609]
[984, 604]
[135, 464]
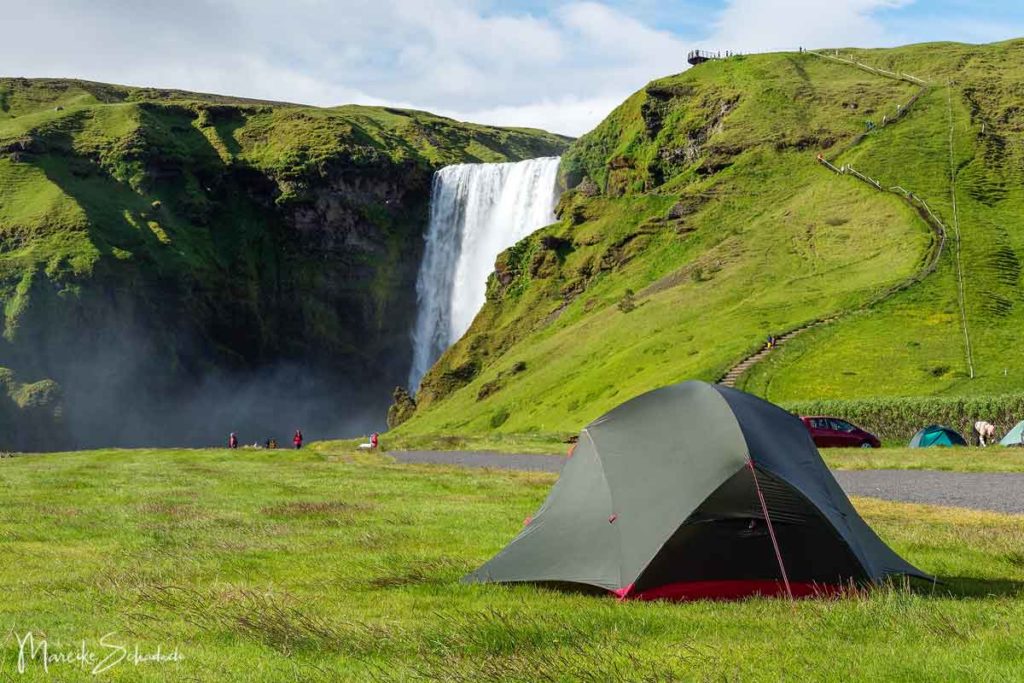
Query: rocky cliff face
[179, 266]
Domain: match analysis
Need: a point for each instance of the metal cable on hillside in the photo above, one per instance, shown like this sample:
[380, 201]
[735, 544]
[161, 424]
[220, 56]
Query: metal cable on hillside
[961, 297]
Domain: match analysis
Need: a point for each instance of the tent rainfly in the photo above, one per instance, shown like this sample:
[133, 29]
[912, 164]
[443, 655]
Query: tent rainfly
[937, 435]
[1014, 437]
[696, 491]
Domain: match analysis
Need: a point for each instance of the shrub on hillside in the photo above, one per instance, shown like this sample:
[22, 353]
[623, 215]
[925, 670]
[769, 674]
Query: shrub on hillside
[898, 419]
[499, 418]
[628, 301]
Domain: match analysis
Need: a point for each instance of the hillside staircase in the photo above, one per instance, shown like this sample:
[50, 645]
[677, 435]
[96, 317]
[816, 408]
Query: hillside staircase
[730, 378]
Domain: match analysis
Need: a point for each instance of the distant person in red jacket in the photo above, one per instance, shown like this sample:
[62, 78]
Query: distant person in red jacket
[297, 439]
[233, 440]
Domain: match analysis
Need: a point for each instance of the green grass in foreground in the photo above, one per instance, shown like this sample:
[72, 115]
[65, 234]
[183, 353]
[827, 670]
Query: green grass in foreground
[323, 565]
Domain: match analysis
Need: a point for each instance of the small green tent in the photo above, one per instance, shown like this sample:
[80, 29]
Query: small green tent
[1015, 437]
[937, 435]
[695, 491]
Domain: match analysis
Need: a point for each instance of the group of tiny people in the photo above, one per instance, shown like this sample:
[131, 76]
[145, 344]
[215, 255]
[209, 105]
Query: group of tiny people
[271, 443]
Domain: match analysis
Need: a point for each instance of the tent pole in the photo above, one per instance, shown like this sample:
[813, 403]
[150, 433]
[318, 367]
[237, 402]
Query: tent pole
[771, 529]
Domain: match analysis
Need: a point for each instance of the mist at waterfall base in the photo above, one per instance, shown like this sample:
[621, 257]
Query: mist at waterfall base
[258, 405]
[476, 212]
[122, 395]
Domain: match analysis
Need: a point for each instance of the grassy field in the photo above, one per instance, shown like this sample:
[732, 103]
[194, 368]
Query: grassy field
[993, 459]
[970, 459]
[531, 443]
[325, 565]
[907, 346]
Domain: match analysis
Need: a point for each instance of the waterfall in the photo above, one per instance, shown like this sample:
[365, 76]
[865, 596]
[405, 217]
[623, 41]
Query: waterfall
[476, 212]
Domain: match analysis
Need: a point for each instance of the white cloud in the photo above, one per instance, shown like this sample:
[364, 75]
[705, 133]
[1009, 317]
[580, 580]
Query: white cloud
[562, 69]
[766, 25]
[620, 37]
[568, 114]
[980, 28]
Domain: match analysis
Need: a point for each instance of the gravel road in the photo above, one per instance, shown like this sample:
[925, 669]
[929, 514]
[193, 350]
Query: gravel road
[1000, 492]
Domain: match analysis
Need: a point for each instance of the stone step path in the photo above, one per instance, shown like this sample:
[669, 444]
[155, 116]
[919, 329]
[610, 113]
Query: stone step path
[735, 372]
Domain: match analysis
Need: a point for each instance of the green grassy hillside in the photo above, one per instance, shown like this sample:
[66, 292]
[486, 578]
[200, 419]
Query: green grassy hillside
[700, 221]
[914, 344]
[158, 245]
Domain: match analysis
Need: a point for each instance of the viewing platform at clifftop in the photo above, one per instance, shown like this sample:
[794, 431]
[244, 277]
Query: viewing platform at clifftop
[695, 57]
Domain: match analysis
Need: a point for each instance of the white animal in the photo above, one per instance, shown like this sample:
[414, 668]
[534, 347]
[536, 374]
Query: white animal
[986, 432]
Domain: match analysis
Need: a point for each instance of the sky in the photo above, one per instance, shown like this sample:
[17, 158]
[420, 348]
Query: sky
[560, 65]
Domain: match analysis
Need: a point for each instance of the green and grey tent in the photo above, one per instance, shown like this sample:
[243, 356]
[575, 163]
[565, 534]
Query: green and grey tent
[1014, 437]
[937, 435]
[696, 491]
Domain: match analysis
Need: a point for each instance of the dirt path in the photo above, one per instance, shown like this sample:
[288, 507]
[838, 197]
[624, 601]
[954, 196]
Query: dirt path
[999, 492]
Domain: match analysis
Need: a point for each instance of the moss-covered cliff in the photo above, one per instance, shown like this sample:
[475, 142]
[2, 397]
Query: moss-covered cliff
[182, 265]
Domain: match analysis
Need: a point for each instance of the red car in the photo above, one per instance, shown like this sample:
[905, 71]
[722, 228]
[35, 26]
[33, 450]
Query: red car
[831, 432]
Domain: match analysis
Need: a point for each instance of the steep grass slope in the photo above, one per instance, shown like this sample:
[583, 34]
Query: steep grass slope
[180, 263]
[700, 221]
[967, 122]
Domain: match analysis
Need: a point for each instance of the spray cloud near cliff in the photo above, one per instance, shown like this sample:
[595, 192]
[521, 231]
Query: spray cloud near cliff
[124, 385]
[476, 211]
[118, 409]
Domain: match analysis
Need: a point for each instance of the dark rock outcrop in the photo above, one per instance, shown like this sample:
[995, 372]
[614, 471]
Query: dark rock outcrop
[403, 407]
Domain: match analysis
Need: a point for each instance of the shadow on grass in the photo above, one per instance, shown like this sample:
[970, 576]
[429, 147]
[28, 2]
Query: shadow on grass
[971, 587]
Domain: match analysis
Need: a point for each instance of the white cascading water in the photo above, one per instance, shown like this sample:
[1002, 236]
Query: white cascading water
[476, 212]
